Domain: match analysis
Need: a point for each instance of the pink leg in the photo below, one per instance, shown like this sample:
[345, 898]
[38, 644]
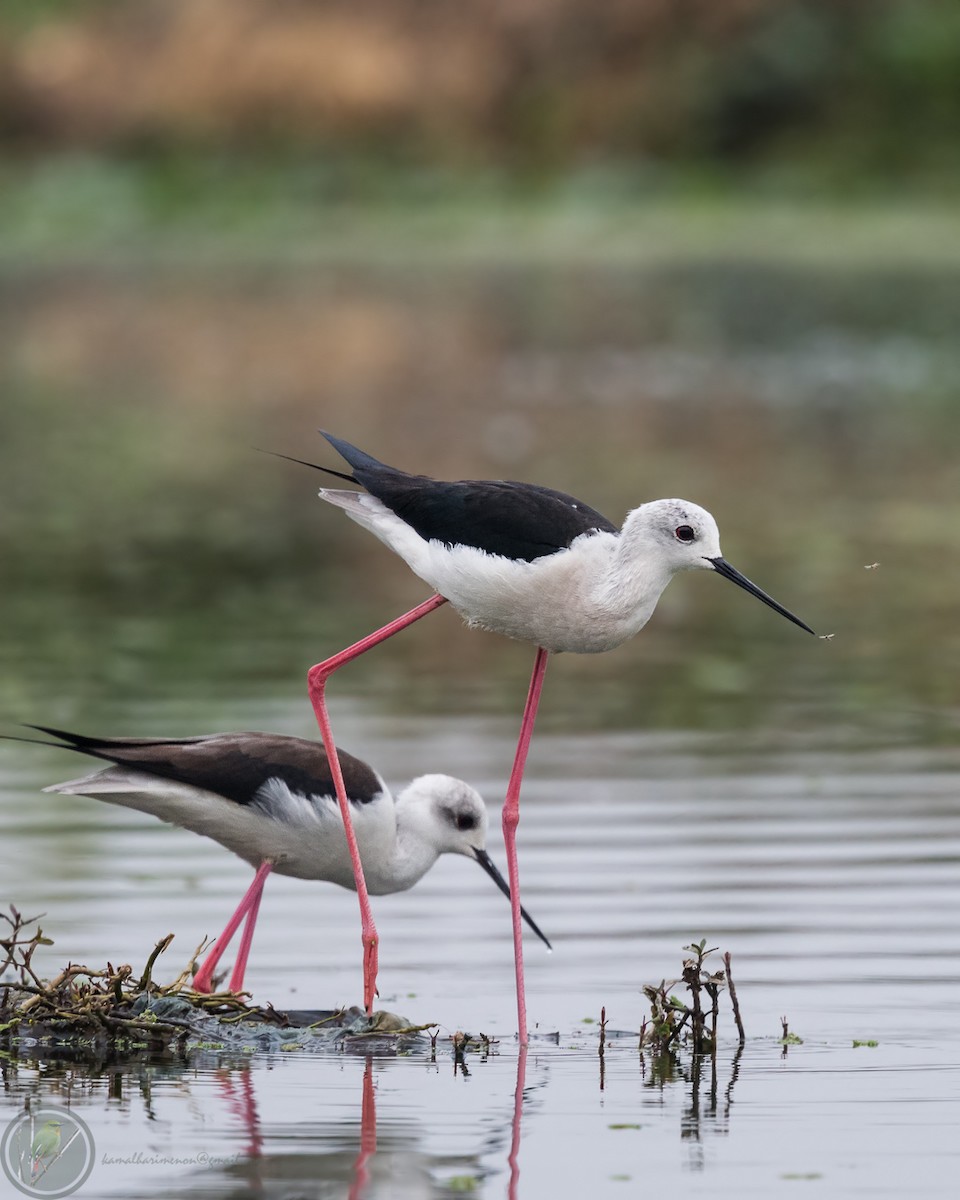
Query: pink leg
[511, 819]
[316, 685]
[246, 939]
[203, 980]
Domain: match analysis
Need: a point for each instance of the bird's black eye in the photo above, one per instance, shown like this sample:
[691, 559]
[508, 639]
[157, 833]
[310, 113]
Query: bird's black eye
[685, 533]
[465, 820]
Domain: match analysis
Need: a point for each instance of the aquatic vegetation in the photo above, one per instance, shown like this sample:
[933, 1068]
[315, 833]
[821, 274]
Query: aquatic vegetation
[114, 1007]
[672, 1021]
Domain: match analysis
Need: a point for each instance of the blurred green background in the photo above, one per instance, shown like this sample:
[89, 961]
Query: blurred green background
[707, 249]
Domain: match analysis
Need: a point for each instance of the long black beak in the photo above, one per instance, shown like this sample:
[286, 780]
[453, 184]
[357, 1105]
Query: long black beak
[722, 567]
[485, 861]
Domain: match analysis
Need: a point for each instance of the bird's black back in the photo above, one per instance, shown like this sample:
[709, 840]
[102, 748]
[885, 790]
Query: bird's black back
[232, 765]
[522, 521]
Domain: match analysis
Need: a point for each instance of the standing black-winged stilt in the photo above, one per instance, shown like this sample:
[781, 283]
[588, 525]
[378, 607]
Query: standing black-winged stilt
[528, 562]
[270, 799]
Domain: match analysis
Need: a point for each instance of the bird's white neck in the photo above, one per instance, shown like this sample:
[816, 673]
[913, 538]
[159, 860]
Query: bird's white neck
[410, 857]
[635, 576]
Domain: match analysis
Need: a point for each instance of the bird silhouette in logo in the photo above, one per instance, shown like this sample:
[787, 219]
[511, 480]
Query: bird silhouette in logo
[46, 1144]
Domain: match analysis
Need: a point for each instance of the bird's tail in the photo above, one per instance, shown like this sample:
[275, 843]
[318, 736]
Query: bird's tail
[103, 783]
[363, 508]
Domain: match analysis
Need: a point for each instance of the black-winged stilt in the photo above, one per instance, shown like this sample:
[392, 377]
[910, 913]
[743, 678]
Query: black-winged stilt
[270, 799]
[531, 563]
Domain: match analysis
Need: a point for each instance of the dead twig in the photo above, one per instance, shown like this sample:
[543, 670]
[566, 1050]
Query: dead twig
[733, 997]
[603, 1042]
[158, 949]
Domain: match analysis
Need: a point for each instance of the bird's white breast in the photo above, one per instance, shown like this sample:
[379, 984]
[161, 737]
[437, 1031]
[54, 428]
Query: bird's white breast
[305, 838]
[561, 602]
[552, 601]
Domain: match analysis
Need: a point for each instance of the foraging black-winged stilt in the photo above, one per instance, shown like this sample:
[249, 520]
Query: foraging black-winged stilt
[528, 562]
[270, 799]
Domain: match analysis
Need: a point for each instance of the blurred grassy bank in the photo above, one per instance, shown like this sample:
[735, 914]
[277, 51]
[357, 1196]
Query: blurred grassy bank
[856, 89]
[79, 210]
[149, 551]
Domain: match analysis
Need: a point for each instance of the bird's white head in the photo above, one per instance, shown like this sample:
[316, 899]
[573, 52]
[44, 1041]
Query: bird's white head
[682, 535]
[445, 813]
[438, 814]
[676, 535]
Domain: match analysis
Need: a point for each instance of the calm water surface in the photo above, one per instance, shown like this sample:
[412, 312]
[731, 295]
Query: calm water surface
[793, 801]
[834, 879]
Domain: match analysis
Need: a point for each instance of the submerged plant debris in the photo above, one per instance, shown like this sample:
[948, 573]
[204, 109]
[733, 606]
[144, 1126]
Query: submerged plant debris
[92, 1011]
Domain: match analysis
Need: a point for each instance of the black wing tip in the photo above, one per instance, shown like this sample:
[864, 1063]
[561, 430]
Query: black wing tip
[359, 459]
[341, 445]
[12, 737]
[72, 739]
[286, 457]
[66, 741]
[314, 466]
[102, 745]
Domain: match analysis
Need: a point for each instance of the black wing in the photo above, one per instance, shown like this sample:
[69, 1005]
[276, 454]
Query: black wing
[233, 765]
[521, 521]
